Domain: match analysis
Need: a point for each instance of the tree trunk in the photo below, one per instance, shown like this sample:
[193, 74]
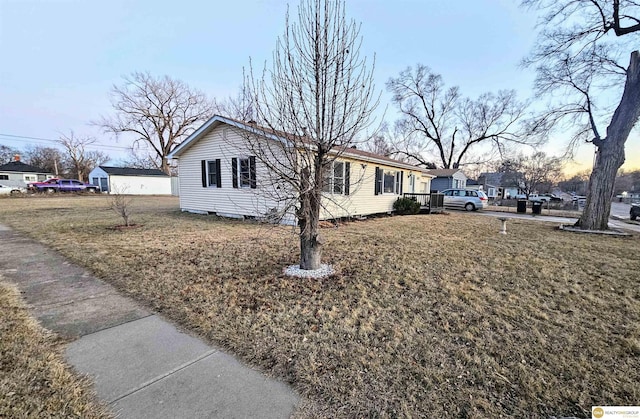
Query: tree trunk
[611, 152]
[165, 166]
[309, 220]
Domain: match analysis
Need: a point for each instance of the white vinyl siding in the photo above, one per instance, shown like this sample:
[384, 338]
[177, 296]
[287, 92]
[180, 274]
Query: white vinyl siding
[140, 185]
[225, 200]
[229, 201]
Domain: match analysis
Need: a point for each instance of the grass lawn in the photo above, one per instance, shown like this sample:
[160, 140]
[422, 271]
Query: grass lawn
[428, 315]
[35, 382]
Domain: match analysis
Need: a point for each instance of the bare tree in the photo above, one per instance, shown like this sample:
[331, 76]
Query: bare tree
[49, 159]
[121, 203]
[627, 181]
[7, 153]
[581, 57]
[318, 96]
[532, 172]
[577, 183]
[438, 122]
[159, 112]
[78, 160]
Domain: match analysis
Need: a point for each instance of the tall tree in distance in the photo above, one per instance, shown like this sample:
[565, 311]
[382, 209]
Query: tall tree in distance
[46, 158]
[158, 112]
[438, 123]
[319, 96]
[533, 172]
[7, 153]
[78, 159]
[584, 57]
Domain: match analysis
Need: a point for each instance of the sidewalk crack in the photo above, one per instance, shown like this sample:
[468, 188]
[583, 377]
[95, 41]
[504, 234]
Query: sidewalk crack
[163, 376]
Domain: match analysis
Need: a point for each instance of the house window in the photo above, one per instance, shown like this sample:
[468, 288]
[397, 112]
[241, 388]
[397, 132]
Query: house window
[212, 173]
[30, 178]
[388, 181]
[243, 171]
[95, 181]
[391, 182]
[4, 177]
[337, 178]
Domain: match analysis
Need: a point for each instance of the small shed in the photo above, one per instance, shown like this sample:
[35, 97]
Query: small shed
[131, 181]
[18, 171]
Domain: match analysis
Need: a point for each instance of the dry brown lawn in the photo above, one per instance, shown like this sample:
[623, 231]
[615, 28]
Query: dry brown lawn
[35, 382]
[428, 315]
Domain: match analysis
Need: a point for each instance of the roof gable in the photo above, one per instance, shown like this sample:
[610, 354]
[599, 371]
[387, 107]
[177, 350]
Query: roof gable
[19, 167]
[132, 171]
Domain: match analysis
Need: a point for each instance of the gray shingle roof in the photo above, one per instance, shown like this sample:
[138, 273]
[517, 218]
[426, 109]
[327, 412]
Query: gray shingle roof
[443, 172]
[132, 171]
[19, 167]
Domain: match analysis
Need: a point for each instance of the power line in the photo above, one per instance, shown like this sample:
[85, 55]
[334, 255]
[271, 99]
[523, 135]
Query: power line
[14, 137]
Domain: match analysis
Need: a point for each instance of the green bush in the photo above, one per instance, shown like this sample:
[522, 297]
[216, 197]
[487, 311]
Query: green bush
[406, 206]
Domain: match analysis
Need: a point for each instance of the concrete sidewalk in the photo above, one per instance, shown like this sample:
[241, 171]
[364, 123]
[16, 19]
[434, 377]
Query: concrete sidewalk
[142, 365]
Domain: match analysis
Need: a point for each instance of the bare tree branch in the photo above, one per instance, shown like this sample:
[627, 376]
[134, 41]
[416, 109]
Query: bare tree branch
[318, 96]
[158, 112]
[578, 62]
[439, 121]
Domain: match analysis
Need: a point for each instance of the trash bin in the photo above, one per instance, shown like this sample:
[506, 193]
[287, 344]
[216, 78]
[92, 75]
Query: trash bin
[522, 205]
[536, 207]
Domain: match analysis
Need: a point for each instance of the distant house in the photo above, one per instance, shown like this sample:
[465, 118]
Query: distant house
[220, 174]
[447, 179]
[504, 189]
[480, 185]
[21, 172]
[129, 180]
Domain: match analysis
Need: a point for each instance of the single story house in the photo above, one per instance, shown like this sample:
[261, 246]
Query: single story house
[18, 171]
[490, 190]
[504, 189]
[219, 173]
[131, 181]
[447, 179]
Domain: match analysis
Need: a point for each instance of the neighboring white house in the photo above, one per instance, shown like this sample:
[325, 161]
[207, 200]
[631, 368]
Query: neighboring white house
[218, 174]
[129, 180]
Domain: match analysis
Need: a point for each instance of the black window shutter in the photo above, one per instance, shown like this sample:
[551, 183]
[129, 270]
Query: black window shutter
[234, 171]
[252, 171]
[218, 174]
[401, 181]
[347, 177]
[203, 166]
[378, 181]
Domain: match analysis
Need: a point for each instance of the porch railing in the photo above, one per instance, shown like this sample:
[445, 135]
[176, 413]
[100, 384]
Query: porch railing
[432, 202]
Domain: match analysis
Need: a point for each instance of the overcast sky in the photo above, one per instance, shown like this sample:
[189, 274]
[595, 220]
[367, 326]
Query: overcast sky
[61, 57]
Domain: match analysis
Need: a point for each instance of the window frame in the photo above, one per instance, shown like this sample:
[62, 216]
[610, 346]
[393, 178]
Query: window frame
[241, 180]
[330, 184]
[211, 184]
[396, 181]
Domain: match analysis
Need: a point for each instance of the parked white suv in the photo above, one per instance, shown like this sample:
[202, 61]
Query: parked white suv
[468, 199]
